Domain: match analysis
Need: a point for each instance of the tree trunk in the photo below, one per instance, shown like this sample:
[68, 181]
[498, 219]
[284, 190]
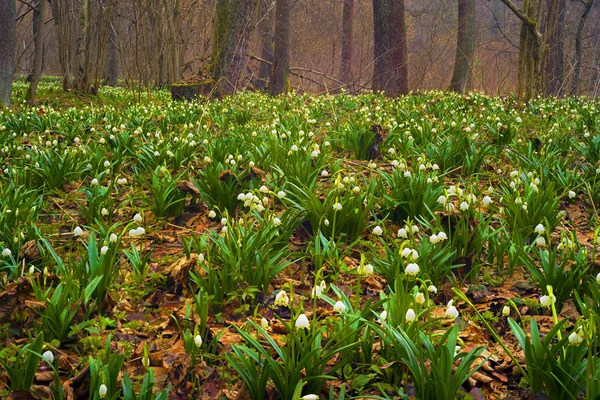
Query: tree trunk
[578, 50]
[113, 72]
[8, 43]
[230, 45]
[265, 30]
[62, 12]
[280, 81]
[390, 70]
[465, 46]
[38, 57]
[347, 19]
[555, 57]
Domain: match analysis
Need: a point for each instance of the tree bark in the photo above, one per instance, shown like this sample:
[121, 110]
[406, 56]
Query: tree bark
[390, 70]
[465, 46]
[555, 57]
[578, 49]
[280, 82]
[8, 43]
[265, 30]
[347, 23]
[38, 57]
[113, 72]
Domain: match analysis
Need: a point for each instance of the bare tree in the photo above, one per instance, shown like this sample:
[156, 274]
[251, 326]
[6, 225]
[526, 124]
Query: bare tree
[280, 82]
[38, 57]
[390, 70]
[265, 29]
[587, 6]
[7, 48]
[555, 22]
[113, 71]
[465, 45]
[347, 19]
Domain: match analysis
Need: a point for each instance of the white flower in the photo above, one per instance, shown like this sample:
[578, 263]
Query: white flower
[442, 236]
[339, 307]
[77, 231]
[540, 242]
[137, 218]
[402, 233]
[48, 356]
[451, 312]
[104, 212]
[94, 181]
[546, 302]
[572, 194]
[406, 252]
[276, 221]
[575, 339]
[6, 252]
[442, 199]
[432, 289]
[598, 278]
[316, 291]
[310, 397]
[198, 340]
[464, 206]
[486, 200]
[324, 173]
[366, 269]
[212, 214]
[106, 164]
[113, 238]
[326, 222]
[302, 322]
[264, 189]
[223, 221]
[378, 231]
[539, 229]
[282, 299]
[411, 269]
[294, 148]
[383, 315]
[102, 391]
[505, 311]
[281, 193]
[337, 207]
[104, 249]
[410, 315]
[420, 298]
[264, 323]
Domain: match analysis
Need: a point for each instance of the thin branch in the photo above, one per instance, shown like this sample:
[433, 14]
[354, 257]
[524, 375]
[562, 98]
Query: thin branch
[29, 5]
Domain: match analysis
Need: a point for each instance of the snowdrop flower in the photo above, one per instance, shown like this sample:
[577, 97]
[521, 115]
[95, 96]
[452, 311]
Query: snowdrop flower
[302, 322]
[94, 181]
[410, 315]
[540, 242]
[487, 200]
[294, 148]
[411, 269]
[310, 397]
[407, 174]
[366, 269]
[420, 298]
[48, 356]
[442, 199]
[598, 278]
[506, 311]
[137, 218]
[103, 250]
[326, 222]
[572, 194]
[223, 221]
[104, 212]
[514, 174]
[113, 238]
[212, 214]
[106, 164]
[316, 291]
[102, 391]
[207, 159]
[451, 311]
[383, 315]
[406, 252]
[6, 253]
[464, 206]
[198, 340]
[77, 231]
[539, 229]
[546, 301]
[339, 307]
[276, 221]
[264, 189]
[281, 193]
[264, 323]
[575, 339]
[414, 229]
[402, 233]
[377, 231]
[337, 207]
[282, 299]
[432, 289]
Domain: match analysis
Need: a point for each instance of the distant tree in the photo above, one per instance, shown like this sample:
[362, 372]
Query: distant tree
[390, 69]
[465, 45]
[8, 43]
[265, 30]
[587, 6]
[554, 71]
[530, 43]
[113, 72]
[280, 81]
[38, 58]
[233, 24]
[347, 22]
